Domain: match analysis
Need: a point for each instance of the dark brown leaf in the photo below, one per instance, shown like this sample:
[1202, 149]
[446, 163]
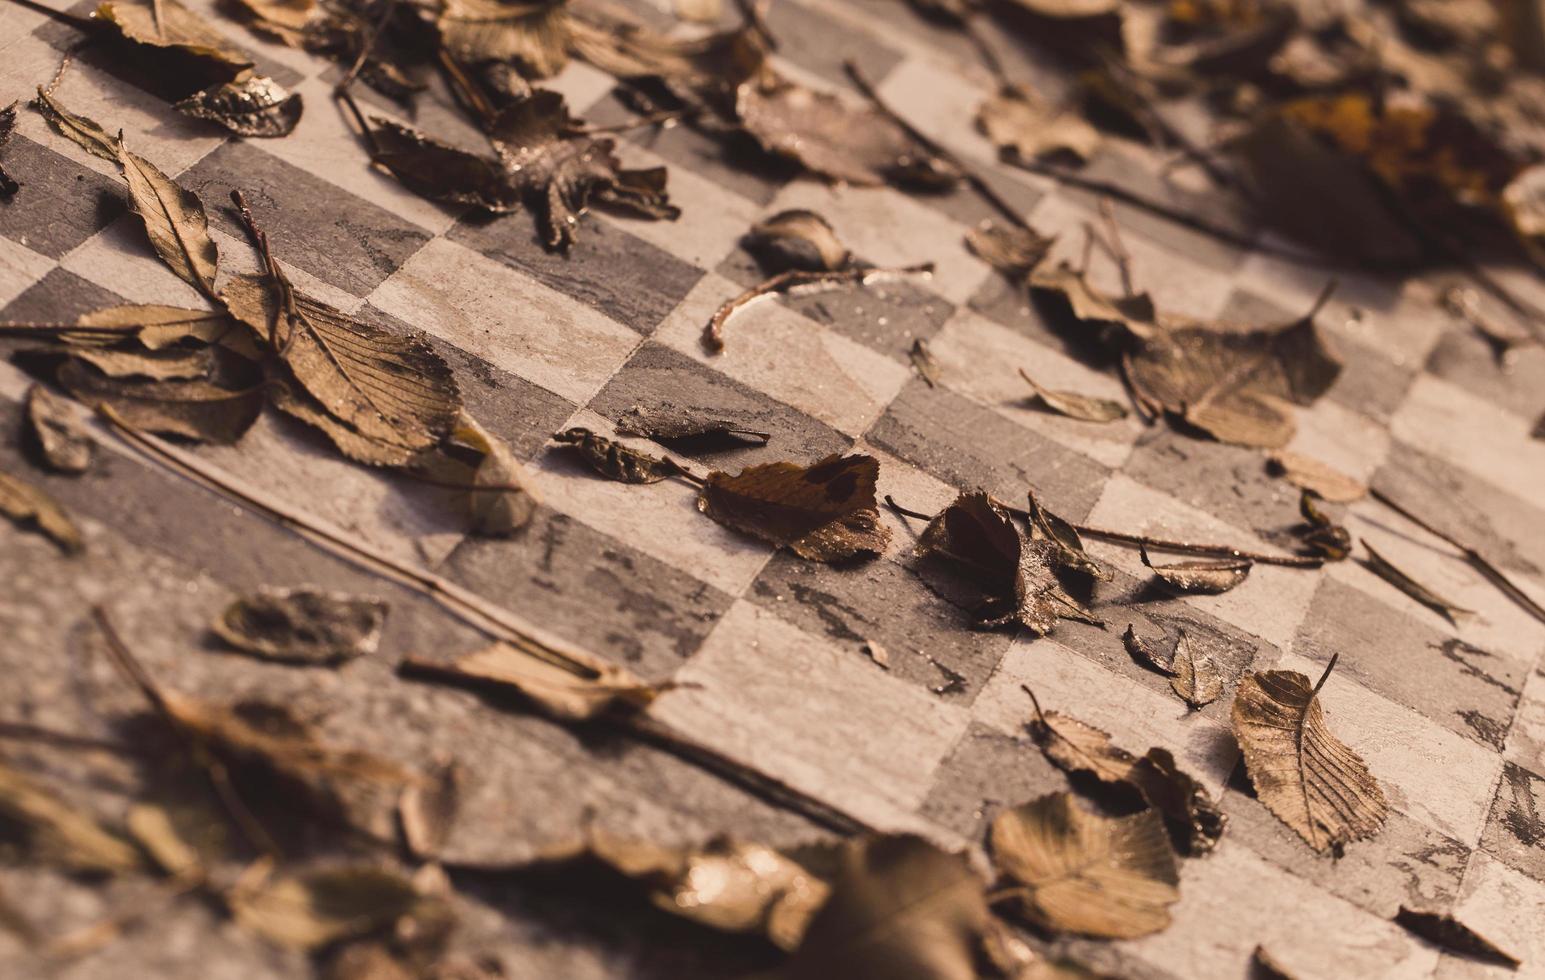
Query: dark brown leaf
[1196, 678]
[923, 363]
[1319, 534]
[1012, 250]
[167, 364]
[381, 397]
[1448, 933]
[831, 139]
[52, 830]
[1206, 577]
[1302, 773]
[252, 106]
[795, 239]
[1046, 526]
[1311, 474]
[8, 184]
[1146, 653]
[80, 130]
[303, 626]
[614, 460]
[1386, 570]
[532, 33]
[168, 25]
[199, 410]
[65, 445]
[1075, 406]
[443, 172]
[24, 503]
[823, 512]
[1087, 874]
[1189, 810]
[1135, 314]
[899, 908]
[1017, 575]
[1024, 127]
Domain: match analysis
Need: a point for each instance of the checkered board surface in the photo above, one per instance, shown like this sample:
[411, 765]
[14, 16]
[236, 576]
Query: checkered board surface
[1451, 720]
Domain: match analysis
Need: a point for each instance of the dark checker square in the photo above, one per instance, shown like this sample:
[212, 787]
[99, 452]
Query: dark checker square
[60, 204]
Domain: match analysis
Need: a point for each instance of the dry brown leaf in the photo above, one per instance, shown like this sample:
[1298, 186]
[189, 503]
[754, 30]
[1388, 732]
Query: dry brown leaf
[1075, 406]
[54, 831]
[1135, 314]
[1386, 570]
[1448, 933]
[167, 364]
[254, 106]
[700, 11]
[24, 503]
[579, 694]
[1087, 874]
[1196, 678]
[1063, 537]
[616, 461]
[500, 501]
[533, 33]
[174, 221]
[1017, 575]
[1145, 652]
[823, 134]
[312, 909]
[1205, 577]
[303, 626]
[665, 422]
[82, 131]
[382, 398]
[796, 239]
[823, 512]
[899, 908]
[1074, 746]
[197, 410]
[65, 444]
[168, 24]
[154, 327]
[1319, 534]
[1024, 127]
[1303, 774]
[442, 172]
[1311, 474]
[1013, 250]
[876, 652]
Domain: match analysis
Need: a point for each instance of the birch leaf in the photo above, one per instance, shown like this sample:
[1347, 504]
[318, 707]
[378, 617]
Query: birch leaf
[822, 512]
[1075, 406]
[615, 461]
[174, 220]
[1087, 874]
[198, 410]
[24, 503]
[82, 131]
[578, 694]
[1206, 577]
[1303, 774]
[62, 438]
[900, 908]
[1196, 678]
[255, 106]
[1448, 933]
[303, 626]
[53, 830]
[1386, 570]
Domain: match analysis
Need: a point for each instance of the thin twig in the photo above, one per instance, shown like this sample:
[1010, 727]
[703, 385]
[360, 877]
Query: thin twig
[468, 89]
[903, 511]
[365, 132]
[286, 305]
[972, 178]
[663, 117]
[364, 49]
[1490, 572]
[1035, 702]
[219, 778]
[984, 50]
[790, 279]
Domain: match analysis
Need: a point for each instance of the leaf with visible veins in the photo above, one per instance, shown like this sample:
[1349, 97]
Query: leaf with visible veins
[822, 512]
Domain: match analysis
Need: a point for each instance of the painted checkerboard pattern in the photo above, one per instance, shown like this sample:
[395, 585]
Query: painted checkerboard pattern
[1452, 721]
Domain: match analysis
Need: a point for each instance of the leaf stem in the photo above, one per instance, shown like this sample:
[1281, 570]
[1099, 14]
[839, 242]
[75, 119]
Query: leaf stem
[790, 279]
[387, 9]
[891, 503]
[1035, 702]
[1325, 676]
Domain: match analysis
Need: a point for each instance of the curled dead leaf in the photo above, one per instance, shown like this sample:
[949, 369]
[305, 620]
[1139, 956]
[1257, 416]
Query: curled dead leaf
[200, 410]
[26, 504]
[499, 499]
[1135, 314]
[61, 437]
[1303, 774]
[254, 106]
[616, 461]
[1013, 250]
[1087, 874]
[1389, 572]
[1196, 677]
[822, 512]
[1147, 653]
[303, 626]
[796, 239]
[1319, 535]
[1448, 933]
[1075, 406]
[1206, 577]
[532, 33]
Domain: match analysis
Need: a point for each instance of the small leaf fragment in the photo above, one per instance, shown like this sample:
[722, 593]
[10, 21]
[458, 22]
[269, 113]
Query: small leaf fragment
[1319, 534]
[533, 34]
[796, 239]
[62, 438]
[1303, 774]
[1145, 652]
[23, 503]
[666, 422]
[1135, 314]
[822, 512]
[1205, 577]
[427, 809]
[1196, 678]
[1386, 570]
[1311, 474]
[499, 500]
[878, 654]
[1063, 537]
[303, 626]
[1085, 408]
[53, 830]
[616, 461]
[1448, 933]
[1013, 250]
[923, 362]
[255, 106]
[577, 694]
[1093, 875]
[899, 907]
